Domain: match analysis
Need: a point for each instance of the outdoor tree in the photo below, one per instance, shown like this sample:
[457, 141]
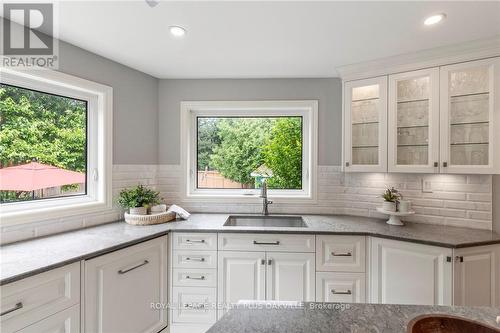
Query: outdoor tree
[240, 149]
[49, 128]
[283, 154]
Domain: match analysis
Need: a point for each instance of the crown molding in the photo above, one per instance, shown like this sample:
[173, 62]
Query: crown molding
[445, 55]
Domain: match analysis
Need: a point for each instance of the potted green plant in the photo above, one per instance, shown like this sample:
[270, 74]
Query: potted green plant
[138, 199]
[391, 197]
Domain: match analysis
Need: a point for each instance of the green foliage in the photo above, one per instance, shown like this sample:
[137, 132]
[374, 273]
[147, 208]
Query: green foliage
[391, 195]
[240, 149]
[283, 154]
[139, 196]
[208, 138]
[50, 128]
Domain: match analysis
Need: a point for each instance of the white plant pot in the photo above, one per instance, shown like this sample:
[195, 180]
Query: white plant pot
[138, 211]
[161, 208]
[389, 206]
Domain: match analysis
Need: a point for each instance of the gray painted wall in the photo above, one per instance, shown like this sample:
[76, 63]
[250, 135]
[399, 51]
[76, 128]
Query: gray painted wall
[135, 102]
[496, 203]
[327, 91]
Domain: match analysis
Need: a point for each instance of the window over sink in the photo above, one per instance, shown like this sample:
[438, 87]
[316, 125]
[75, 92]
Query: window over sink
[232, 148]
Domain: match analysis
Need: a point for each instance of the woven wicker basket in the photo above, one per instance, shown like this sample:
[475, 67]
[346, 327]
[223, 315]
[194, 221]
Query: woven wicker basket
[149, 219]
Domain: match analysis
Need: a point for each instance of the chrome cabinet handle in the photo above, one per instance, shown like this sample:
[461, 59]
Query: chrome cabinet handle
[342, 254]
[196, 307]
[269, 261]
[347, 292]
[195, 278]
[16, 307]
[263, 261]
[445, 164]
[195, 259]
[123, 271]
[266, 243]
[195, 241]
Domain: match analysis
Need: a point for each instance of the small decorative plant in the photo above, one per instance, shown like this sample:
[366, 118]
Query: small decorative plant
[391, 198]
[139, 197]
[391, 195]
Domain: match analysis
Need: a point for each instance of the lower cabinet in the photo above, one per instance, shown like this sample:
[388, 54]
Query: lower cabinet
[409, 273]
[120, 288]
[477, 276]
[66, 321]
[340, 287]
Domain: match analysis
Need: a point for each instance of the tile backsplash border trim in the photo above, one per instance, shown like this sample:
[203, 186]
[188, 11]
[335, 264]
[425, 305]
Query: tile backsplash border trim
[456, 200]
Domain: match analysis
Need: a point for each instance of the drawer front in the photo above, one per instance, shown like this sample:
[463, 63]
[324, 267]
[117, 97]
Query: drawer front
[266, 242]
[341, 253]
[29, 300]
[194, 305]
[194, 277]
[121, 288]
[341, 287]
[66, 321]
[194, 241]
[194, 259]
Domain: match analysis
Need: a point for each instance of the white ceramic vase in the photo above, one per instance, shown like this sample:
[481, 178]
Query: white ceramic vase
[138, 210]
[389, 206]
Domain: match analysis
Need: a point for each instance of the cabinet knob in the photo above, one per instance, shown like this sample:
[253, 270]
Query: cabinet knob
[346, 164]
[436, 164]
[445, 164]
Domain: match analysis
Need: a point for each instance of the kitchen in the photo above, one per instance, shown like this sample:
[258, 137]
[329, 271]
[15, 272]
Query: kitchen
[327, 191]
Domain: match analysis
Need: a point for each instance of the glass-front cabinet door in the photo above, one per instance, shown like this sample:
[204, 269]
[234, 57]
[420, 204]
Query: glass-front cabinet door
[413, 122]
[365, 125]
[470, 116]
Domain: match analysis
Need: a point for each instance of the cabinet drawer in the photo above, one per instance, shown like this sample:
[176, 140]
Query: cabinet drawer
[194, 277]
[194, 305]
[29, 300]
[194, 259]
[340, 253]
[340, 287]
[266, 242]
[66, 321]
[194, 241]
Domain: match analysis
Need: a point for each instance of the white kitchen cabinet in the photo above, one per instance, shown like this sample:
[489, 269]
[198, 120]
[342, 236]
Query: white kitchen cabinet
[477, 276]
[340, 287]
[66, 321]
[336, 253]
[290, 276]
[242, 276]
[409, 273]
[121, 286]
[365, 125]
[194, 305]
[32, 299]
[470, 117]
[413, 121]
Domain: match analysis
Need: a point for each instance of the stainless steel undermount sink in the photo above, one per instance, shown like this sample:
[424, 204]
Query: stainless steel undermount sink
[265, 221]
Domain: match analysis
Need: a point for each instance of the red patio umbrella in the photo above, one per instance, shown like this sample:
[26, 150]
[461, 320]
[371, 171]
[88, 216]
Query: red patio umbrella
[35, 176]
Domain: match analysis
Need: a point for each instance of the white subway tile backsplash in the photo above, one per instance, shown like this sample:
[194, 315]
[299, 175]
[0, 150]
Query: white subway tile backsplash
[456, 200]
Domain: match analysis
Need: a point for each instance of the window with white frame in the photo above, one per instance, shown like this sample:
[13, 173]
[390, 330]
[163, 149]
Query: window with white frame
[55, 146]
[232, 148]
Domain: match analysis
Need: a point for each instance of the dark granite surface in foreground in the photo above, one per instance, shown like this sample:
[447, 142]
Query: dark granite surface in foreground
[30, 257]
[334, 317]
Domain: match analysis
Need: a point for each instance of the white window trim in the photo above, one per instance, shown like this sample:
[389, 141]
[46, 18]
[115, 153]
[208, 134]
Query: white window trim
[99, 144]
[308, 109]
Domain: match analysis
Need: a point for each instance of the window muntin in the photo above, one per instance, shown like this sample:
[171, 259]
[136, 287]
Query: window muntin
[241, 152]
[48, 132]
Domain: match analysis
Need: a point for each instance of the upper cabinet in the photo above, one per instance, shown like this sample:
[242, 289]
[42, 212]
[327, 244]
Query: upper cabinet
[413, 130]
[438, 120]
[365, 125]
[470, 116]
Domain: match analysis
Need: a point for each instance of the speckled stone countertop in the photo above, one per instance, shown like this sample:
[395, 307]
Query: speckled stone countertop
[30, 257]
[333, 317]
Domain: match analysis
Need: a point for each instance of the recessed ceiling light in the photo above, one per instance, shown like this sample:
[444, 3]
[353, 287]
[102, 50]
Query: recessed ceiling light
[434, 19]
[177, 31]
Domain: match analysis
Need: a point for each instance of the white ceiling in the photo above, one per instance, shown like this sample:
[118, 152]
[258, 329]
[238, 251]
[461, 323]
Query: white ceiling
[266, 39]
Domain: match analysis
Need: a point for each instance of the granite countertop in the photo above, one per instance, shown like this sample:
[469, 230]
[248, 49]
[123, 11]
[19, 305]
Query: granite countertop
[20, 260]
[267, 317]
